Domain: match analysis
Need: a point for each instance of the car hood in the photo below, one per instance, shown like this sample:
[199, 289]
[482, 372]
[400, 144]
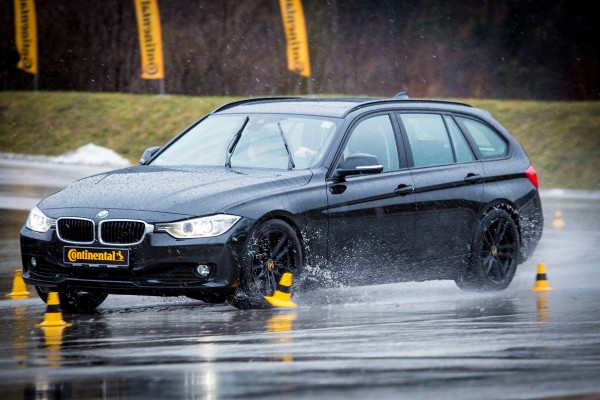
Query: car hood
[186, 191]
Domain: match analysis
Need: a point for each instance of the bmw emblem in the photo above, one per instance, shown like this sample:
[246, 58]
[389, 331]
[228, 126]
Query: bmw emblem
[102, 214]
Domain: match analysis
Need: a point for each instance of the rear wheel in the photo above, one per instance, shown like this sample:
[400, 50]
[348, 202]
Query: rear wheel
[495, 253]
[76, 301]
[271, 250]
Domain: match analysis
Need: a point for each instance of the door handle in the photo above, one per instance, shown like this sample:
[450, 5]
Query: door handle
[473, 178]
[403, 190]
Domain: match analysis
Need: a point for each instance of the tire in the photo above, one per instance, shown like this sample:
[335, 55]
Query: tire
[76, 301]
[270, 250]
[495, 253]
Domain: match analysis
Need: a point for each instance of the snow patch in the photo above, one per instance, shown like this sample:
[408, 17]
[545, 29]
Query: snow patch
[570, 194]
[89, 154]
[92, 154]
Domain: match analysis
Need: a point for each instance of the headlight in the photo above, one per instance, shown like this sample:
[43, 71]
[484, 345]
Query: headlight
[213, 225]
[38, 222]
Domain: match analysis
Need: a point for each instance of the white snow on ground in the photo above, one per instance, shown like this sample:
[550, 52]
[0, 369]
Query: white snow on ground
[570, 194]
[92, 154]
[89, 154]
[50, 173]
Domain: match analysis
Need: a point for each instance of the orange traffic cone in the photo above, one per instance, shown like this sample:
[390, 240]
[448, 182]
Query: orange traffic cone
[19, 290]
[282, 296]
[541, 281]
[53, 315]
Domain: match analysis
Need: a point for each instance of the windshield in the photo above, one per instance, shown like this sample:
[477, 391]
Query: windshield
[255, 141]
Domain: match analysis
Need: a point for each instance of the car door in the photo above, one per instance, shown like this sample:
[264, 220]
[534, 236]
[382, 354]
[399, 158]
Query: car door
[448, 189]
[371, 217]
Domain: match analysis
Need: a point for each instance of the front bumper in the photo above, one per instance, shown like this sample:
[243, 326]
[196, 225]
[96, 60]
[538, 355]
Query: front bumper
[160, 264]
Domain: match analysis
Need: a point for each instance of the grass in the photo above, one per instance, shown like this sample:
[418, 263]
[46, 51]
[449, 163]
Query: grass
[51, 123]
[561, 138]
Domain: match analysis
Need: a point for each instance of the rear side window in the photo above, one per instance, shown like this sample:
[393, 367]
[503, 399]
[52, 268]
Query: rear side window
[428, 139]
[490, 144]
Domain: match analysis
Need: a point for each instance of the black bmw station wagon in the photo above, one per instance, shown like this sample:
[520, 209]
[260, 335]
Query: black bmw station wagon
[365, 190]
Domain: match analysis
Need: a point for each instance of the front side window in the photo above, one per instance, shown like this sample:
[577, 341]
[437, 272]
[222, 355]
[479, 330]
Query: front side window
[489, 142]
[374, 136]
[261, 141]
[428, 139]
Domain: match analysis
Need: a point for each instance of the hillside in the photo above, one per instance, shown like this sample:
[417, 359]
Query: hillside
[561, 138]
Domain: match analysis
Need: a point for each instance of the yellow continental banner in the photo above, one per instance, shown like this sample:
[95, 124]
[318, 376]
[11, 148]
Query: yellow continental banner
[26, 35]
[148, 20]
[295, 34]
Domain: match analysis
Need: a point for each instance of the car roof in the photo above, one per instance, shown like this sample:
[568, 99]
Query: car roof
[334, 107]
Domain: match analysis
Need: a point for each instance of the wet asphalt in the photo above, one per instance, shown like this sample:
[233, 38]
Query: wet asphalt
[417, 340]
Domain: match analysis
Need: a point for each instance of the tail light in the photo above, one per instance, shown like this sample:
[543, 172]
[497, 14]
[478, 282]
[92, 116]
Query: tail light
[532, 176]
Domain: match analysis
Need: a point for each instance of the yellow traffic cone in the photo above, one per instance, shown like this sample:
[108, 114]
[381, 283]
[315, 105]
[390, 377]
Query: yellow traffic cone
[53, 315]
[19, 290]
[558, 222]
[282, 296]
[541, 281]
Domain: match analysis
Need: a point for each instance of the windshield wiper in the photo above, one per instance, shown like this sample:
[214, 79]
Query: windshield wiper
[234, 143]
[287, 148]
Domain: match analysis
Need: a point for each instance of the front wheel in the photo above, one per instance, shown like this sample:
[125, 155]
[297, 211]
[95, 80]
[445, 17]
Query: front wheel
[272, 249]
[76, 301]
[495, 253]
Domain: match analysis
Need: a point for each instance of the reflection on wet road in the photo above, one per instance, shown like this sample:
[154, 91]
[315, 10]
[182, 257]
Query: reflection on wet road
[410, 340]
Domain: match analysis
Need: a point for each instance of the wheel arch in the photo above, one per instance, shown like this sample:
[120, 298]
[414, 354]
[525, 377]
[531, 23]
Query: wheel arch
[288, 218]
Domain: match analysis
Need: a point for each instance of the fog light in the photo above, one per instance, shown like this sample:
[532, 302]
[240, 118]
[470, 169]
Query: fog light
[33, 262]
[203, 270]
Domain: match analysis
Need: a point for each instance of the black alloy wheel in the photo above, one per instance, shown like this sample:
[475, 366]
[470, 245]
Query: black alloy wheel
[271, 250]
[76, 301]
[495, 253]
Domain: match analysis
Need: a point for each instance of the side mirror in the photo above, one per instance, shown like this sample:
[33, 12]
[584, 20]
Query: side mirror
[359, 164]
[148, 154]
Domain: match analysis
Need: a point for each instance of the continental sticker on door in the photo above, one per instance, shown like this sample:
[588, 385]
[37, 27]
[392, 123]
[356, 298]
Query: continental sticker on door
[96, 256]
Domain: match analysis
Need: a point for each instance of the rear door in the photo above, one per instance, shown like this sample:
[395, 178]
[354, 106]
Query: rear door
[371, 217]
[448, 187]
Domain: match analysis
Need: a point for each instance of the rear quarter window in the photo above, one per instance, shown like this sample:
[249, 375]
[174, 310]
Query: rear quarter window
[488, 141]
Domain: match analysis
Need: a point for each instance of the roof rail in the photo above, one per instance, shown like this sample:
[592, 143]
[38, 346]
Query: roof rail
[403, 100]
[251, 100]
